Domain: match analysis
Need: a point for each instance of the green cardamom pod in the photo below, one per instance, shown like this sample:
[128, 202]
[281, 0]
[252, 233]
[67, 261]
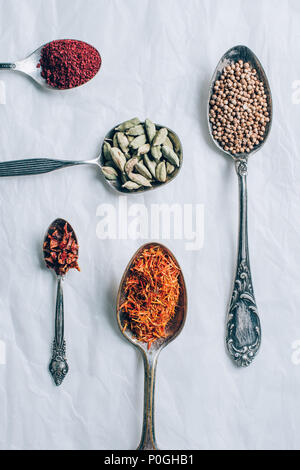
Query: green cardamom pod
[128, 124]
[143, 170]
[139, 179]
[161, 172]
[170, 155]
[150, 130]
[151, 165]
[130, 185]
[136, 130]
[138, 142]
[118, 158]
[160, 136]
[110, 173]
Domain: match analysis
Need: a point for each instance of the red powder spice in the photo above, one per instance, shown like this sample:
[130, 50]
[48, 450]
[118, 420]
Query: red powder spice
[152, 293]
[67, 63]
[61, 248]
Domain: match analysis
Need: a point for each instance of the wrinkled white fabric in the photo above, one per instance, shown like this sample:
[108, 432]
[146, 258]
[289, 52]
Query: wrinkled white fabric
[158, 58]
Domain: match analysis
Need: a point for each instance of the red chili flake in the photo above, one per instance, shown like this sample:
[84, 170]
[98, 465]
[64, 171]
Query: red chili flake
[67, 63]
[61, 248]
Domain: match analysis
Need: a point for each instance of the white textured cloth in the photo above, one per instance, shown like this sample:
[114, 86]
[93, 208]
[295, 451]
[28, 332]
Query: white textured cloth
[158, 58]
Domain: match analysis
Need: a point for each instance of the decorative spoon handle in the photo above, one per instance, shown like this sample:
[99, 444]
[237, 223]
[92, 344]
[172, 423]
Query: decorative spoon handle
[7, 65]
[243, 325]
[34, 166]
[148, 441]
[58, 366]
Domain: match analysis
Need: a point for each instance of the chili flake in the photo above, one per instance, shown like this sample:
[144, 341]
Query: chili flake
[61, 248]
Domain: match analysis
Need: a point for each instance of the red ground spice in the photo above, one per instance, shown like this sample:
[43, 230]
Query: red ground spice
[60, 248]
[67, 63]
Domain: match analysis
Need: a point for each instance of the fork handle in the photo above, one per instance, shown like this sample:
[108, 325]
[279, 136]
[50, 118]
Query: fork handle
[33, 166]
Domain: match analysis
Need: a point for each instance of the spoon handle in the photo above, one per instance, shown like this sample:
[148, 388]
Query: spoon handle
[58, 366]
[35, 166]
[148, 441]
[243, 325]
[7, 65]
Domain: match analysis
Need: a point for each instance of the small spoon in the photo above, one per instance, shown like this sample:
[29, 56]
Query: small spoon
[35, 166]
[58, 366]
[148, 441]
[29, 67]
[243, 336]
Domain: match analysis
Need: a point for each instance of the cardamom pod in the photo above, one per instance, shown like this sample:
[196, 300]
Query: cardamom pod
[144, 149]
[106, 151]
[118, 158]
[168, 143]
[160, 136]
[130, 185]
[139, 179]
[136, 130]
[143, 170]
[156, 153]
[150, 130]
[138, 142]
[130, 164]
[115, 142]
[123, 142]
[151, 165]
[128, 124]
[170, 168]
[161, 172]
[170, 155]
[110, 173]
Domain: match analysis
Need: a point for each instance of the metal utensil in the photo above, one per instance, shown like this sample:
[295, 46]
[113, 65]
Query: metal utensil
[243, 331]
[58, 366]
[29, 67]
[35, 166]
[148, 441]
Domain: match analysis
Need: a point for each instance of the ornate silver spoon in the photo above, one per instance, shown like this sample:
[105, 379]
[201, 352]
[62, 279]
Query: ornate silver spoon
[36, 166]
[150, 356]
[243, 335]
[29, 67]
[58, 366]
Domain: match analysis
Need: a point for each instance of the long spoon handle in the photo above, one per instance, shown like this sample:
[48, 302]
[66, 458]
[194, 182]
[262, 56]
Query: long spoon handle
[35, 166]
[7, 66]
[148, 441]
[58, 366]
[243, 325]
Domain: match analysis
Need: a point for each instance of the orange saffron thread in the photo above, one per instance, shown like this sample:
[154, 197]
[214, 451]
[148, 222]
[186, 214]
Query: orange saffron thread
[152, 294]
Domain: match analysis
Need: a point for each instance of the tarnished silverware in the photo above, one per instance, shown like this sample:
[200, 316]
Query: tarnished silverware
[148, 441]
[29, 67]
[35, 166]
[58, 366]
[243, 335]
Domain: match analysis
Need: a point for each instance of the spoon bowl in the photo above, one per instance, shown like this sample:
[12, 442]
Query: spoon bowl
[28, 66]
[234, 55]
[174, 327]
[116, 185]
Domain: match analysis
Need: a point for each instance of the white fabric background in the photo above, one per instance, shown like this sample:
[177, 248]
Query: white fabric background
[158, 58]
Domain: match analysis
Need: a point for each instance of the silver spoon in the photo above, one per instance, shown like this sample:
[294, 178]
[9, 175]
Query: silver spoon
[29, 67]
[35, 166]
[148, 441]
[243, 331]
[58, 366]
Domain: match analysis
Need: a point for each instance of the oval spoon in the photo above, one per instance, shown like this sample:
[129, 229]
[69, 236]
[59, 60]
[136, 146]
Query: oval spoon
[58, 366]
[29, 67]
[243, 331]
[150, 356]
[35, 166]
